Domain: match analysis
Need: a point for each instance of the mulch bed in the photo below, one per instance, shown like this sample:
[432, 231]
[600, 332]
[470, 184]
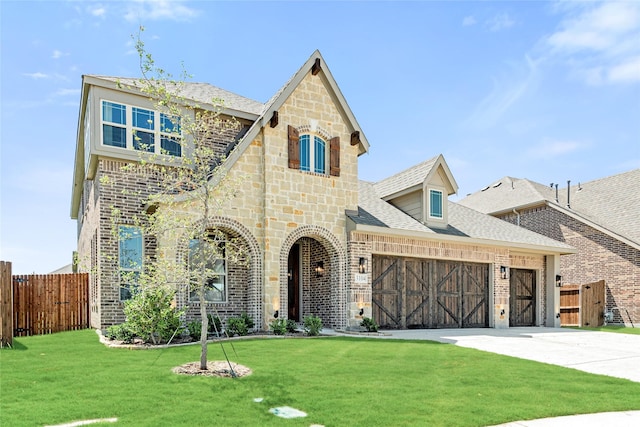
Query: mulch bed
[217, 368]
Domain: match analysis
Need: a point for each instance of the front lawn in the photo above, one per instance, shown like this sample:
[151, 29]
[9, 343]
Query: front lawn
[613, 328]
[337, 381]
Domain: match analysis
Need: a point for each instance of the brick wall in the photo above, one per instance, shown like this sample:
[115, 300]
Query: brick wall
[599, 257]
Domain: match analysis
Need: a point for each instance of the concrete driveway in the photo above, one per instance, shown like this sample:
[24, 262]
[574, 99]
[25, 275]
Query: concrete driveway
[606, 353]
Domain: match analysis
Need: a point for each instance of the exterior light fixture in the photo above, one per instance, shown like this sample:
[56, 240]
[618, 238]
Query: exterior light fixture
[558, 281]
[276, 314]
[319, 269]
[504, 271]
[362, 265]
[362, 311]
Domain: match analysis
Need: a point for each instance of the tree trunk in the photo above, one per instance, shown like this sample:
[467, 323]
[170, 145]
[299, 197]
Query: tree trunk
[204, 330]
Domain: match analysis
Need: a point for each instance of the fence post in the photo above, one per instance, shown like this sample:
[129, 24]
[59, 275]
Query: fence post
[6, 305]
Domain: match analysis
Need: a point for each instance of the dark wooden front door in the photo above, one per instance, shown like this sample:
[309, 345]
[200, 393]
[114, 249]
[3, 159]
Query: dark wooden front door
[293, 284]
[417, 293]
[522, 301]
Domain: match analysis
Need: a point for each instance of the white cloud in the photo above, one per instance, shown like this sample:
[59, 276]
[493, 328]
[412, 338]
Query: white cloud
[554, 148]
[627, 72]
[500, 22]
[155, 10]
[97, 10]
[600, 41]
[507, 90]
[57, 54]
[468, 21]
[37, 76]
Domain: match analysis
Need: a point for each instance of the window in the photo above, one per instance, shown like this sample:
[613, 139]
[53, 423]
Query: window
[130, 259]
[207, 258]
[136, 128]
[114, 126]
[435, 204]
[312, 154]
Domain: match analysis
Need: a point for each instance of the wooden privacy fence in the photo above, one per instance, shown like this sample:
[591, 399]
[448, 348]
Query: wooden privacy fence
[6, 305]
[582, 305]
[44, 304]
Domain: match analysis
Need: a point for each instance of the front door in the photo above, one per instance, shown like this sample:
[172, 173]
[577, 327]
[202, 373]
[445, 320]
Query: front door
[293, 283]
[522, 310]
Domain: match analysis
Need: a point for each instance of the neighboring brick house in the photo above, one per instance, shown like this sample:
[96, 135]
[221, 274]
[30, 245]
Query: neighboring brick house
[318, 241]
[599, 218]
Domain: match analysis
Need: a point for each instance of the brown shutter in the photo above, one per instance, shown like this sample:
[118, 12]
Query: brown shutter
[334, 149]
[294, 148]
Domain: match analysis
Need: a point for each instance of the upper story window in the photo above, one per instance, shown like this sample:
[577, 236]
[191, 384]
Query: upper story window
[312, 154]
[435, 204]
[130, 257]
[136, 128]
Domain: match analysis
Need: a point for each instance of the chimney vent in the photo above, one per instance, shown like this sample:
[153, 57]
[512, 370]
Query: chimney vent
[569, 194]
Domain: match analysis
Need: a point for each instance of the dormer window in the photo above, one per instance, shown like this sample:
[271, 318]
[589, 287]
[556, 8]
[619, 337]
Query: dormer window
[140, 129]
[435, 204]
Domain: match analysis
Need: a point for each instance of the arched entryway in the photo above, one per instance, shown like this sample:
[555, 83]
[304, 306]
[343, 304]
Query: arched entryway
[313, 276]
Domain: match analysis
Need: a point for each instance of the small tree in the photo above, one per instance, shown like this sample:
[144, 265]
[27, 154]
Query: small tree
[189, 189]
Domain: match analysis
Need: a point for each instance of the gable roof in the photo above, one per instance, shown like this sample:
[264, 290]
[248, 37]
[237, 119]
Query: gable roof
[465, 225]
[414, 177]
[610, 204]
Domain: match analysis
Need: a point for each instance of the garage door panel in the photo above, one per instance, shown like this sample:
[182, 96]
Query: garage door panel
[385, 292]
[418, 293]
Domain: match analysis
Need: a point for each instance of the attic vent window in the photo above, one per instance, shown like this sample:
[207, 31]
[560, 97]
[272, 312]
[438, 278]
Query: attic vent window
[435, 204]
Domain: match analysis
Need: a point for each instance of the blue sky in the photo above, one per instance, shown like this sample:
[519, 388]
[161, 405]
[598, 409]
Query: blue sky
[548, 91]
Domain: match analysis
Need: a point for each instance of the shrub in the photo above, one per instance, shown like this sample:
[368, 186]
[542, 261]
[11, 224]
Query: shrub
[195, 328]
[215, 324]
[278, 326]
[292, 326]
[312, 325]
[120, 332]
[239, 325]
[369, 324]
[151, 316]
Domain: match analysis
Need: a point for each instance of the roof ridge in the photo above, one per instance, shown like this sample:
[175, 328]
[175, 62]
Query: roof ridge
[407, 170]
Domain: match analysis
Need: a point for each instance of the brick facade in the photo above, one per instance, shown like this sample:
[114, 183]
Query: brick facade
[599, 257]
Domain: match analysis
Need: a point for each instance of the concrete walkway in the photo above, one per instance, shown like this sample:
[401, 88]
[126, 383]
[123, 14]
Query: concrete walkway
[604, 353]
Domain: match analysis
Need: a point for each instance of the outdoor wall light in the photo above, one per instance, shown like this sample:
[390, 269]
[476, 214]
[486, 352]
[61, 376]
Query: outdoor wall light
[276, 314]
[362, 265]
[503, 271]
[319, 269]
[558, 281]
[361, 311]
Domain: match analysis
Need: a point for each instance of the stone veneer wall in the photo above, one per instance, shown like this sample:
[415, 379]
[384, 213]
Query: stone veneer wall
[599, 257]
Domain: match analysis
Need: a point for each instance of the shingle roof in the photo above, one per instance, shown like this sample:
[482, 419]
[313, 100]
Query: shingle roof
[202, 93]
[405, 179]
[612, 203]
[463, 222]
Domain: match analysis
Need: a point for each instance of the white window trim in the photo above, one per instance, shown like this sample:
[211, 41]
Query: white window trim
[312, 153]
[129, 129]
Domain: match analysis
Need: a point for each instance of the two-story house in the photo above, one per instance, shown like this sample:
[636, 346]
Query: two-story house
[318, 241]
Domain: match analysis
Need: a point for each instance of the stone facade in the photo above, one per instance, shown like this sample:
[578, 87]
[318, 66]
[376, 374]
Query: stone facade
[599, 257]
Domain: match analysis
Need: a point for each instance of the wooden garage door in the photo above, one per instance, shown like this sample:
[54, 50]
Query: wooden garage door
[415, 293]
[522, 301]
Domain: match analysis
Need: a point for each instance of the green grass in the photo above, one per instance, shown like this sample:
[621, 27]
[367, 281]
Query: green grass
[613, 328]
[70, 376]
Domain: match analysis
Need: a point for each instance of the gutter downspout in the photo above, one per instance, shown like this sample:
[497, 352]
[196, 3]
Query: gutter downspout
[517, 217]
